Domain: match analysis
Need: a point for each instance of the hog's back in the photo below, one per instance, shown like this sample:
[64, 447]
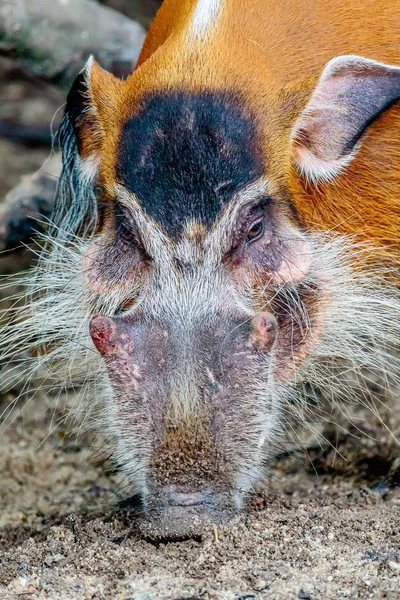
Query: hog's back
[295, 38]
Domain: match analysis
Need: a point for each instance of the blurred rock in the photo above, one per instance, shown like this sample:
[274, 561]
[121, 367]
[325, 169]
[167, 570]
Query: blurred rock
[54, 39]
[27, 207]
[30, 111]
[142, 11]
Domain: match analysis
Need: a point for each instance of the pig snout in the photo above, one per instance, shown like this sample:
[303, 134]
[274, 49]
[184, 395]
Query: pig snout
[175, 513]
[179, 400]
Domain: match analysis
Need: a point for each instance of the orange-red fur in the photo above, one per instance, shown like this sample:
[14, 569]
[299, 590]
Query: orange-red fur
[272, 53]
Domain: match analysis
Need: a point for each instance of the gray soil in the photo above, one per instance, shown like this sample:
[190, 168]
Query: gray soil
[321, 531]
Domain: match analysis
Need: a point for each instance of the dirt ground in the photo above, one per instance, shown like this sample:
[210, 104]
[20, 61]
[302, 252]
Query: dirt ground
[327, 527]
[322, 531]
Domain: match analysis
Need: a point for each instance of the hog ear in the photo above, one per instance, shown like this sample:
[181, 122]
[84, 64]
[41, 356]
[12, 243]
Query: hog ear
[90, 103]
[351, 92]
[90, 106]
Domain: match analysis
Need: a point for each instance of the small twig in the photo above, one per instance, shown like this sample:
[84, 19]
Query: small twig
[216, 537]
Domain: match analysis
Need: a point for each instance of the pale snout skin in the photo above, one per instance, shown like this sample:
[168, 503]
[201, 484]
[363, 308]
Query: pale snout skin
[189, 403]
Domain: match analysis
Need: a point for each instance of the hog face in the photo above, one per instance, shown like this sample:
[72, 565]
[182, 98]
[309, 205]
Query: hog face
[197, 254]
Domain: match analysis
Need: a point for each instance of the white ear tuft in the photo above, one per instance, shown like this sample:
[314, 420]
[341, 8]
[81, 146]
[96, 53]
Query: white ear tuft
[89, 168]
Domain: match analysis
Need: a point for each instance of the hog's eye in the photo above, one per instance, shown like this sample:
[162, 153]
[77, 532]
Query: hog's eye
[125, 228]
[255, 232]
[127, 234]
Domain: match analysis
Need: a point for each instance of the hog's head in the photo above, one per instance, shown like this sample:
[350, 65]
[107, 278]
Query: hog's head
[202, 280]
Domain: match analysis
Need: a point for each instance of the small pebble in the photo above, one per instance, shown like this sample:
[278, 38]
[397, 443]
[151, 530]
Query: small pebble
[303, 595]
[53, 559]
[259, 584]
[394, 566]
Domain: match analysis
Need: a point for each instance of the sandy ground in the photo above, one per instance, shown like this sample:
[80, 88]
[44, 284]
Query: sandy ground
[321, 531]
